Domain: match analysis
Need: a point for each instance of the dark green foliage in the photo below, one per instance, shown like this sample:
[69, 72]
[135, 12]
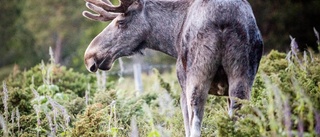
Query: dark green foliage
[105, 98]
[12, 35]
[63, 80]
[286, 91]
[90, 123]
[50, 81]
[279, 19]
[288, 73]
[76, 106]
[293, 85]
[112, 116]
[18, 98]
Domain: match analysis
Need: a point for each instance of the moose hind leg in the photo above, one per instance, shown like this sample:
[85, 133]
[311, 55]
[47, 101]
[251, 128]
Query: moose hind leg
[240, 75]
[239, 88]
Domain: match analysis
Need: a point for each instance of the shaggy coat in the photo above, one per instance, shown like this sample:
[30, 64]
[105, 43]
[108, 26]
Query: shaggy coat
[217, 44]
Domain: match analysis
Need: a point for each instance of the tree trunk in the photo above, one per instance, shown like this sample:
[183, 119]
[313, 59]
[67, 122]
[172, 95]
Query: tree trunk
[58, 49]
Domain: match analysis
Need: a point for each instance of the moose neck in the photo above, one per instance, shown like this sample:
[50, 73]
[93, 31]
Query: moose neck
[166, 19]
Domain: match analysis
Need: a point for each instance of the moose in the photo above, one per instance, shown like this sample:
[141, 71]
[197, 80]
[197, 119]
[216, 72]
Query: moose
[217, 44]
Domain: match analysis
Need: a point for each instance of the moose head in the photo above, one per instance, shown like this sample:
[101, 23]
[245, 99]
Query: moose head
[120, 38]
[135, 25]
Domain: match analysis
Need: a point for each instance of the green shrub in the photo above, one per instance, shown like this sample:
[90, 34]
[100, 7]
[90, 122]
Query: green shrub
[285, 101]
[64, 85]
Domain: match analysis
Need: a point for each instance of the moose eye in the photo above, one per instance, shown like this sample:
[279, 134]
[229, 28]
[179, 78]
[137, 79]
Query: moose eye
[121, 23]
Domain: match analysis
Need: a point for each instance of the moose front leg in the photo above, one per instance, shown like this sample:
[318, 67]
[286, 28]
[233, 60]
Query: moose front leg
[183, 99]
[184, 108]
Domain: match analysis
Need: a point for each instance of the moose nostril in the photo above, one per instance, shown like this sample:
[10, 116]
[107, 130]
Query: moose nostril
[91, 64]
[94, 67]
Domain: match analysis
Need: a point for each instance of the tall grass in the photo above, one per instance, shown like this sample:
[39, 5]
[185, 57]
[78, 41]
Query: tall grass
[4, 118]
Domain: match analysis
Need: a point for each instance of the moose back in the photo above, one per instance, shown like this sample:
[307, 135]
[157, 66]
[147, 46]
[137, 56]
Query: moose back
[217, 44]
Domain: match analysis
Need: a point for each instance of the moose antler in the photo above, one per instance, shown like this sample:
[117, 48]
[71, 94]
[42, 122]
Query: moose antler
[104, 7]
[102, 14]
[108, 6]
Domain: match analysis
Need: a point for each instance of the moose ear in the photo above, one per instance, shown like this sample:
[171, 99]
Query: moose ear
[141, 2]
[137, 4]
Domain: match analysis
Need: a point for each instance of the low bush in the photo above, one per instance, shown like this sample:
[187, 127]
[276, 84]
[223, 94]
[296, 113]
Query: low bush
[51, 100]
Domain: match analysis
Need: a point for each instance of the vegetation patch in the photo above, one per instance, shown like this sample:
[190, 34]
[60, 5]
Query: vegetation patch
[51, 100]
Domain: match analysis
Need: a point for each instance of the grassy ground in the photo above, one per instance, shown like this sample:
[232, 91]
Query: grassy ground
[51, 100]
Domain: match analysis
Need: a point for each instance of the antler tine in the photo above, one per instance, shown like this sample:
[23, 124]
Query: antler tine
[108, 6]
[102, 14]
